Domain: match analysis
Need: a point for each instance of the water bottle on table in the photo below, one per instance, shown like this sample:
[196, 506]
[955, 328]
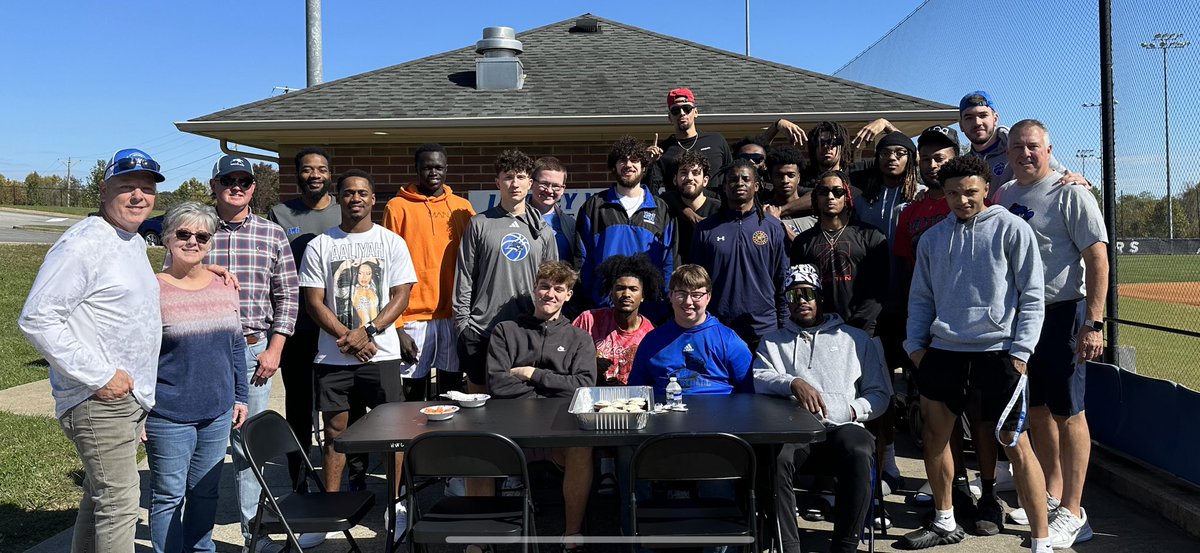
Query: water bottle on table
[674, 394]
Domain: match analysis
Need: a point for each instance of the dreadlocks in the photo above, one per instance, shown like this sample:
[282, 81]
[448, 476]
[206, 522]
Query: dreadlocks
[728, 170]
[908, 188]
[839, 134]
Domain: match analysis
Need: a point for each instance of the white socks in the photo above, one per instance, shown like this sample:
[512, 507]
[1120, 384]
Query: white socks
[945, 520]
[1040, 545]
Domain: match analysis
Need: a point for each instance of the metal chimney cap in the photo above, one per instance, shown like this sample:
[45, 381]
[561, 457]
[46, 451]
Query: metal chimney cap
[499, 41]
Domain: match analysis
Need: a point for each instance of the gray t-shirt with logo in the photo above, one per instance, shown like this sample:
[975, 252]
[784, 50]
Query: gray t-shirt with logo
[1066, 220]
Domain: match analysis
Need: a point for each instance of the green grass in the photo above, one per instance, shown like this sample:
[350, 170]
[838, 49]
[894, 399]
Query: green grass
[1162, 354]
[19, 362]
[39, 481]
[1133, 269]
[81, 211]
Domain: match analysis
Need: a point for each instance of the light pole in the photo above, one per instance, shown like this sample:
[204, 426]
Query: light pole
[1165, 42]
[1083, 156]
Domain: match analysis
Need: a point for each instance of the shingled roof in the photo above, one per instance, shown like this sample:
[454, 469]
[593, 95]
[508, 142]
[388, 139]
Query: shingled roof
[574, 80]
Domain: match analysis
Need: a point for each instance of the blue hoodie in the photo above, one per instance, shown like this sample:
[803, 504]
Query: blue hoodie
[978, 286]
[706, 359]
[603, 229]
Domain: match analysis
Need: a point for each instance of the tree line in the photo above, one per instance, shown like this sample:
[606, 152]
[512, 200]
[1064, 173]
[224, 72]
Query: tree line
[56, 190]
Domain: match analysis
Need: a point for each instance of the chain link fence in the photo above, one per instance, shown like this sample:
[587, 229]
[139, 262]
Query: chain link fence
[1041, 60]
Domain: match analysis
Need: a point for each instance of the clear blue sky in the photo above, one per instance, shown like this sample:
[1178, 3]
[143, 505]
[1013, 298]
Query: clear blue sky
[86, 78]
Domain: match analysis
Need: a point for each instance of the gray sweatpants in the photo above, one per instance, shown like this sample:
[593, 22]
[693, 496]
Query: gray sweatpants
[106, 436]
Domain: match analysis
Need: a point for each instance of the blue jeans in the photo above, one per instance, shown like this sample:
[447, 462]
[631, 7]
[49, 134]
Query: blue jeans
[185, 471]
[248, 490]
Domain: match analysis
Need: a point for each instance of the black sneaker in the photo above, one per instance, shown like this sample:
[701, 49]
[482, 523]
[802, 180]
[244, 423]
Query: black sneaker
[930, 536]
[991, 516]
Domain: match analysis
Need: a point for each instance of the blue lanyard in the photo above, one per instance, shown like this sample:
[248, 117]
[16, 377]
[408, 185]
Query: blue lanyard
[1021, 392]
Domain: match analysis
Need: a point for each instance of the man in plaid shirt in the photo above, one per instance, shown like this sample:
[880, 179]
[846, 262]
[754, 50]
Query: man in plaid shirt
[257, 251]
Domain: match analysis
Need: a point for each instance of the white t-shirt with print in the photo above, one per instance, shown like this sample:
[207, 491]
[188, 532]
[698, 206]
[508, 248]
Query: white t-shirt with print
[357, 271]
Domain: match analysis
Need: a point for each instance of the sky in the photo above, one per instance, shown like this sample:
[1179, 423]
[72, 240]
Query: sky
[94, 77]
[1044, 63]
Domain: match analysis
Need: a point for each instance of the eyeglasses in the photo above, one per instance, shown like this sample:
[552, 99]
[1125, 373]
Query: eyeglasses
[545, 185]
[796, 294]
[685, 108]
[683, 295]
[201, 237]
[899, 153]
[122, 165]
[826, 191]
[752, 158]
[831, 142]
[229, 182]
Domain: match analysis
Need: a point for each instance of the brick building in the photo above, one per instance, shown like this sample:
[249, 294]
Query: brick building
[586, 81]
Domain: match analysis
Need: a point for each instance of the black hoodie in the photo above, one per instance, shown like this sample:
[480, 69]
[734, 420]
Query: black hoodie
[564, 356]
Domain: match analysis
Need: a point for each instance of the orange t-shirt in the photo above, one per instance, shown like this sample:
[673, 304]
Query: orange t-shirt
[432, 227]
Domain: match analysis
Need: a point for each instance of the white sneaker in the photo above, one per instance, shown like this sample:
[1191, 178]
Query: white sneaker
[401, 519]
[1019, 516]
[311, 539]
[1066, 529]
[924, 496]
[1004, 477]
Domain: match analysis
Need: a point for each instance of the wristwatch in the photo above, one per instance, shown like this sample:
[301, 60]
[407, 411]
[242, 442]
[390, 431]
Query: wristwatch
[371, 331]
[1094, 325]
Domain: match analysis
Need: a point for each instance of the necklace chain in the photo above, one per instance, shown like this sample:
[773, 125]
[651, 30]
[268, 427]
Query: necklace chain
[695, 139]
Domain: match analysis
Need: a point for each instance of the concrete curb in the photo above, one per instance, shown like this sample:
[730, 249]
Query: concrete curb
[1173, 498]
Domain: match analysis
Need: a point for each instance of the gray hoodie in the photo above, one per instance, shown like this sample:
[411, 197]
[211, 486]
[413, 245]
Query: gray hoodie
[977, 286]
[842, 362]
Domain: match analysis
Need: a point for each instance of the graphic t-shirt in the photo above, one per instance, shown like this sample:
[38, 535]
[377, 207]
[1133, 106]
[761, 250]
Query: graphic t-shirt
[357, 271]
[615, 348]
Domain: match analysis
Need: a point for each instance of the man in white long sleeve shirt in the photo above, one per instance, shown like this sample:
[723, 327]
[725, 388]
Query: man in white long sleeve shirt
[93, 313]
[838, 373]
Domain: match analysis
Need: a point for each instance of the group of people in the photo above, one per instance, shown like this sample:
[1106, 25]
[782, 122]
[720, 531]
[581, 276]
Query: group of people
[754, 269]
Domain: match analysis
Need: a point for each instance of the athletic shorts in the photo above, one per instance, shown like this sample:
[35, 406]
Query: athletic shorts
[437, 343]
[949, 377]
[341, 387]
[1055, 379]
[472, 355]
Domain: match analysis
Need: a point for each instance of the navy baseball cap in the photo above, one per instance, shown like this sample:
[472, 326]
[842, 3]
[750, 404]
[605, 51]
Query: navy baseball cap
[939, 135]
[130, 160]
[231, 164]
[974, 99]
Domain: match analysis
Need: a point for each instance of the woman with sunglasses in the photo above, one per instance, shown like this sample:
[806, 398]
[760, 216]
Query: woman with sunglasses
[201, 387]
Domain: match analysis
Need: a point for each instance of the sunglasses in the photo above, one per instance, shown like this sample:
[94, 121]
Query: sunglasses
[676, 110]
[128, 163]
[832, 143]
[201, 237]
[229, 182]
[796, 294]
[752, 158]
[826, 191]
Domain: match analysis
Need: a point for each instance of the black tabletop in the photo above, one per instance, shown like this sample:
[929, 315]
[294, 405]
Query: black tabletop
[546, 423]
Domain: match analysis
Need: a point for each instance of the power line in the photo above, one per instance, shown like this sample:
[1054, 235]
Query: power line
[209, 156]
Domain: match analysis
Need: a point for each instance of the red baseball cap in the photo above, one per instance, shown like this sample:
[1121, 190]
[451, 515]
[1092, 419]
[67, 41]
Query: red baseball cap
[675, 95]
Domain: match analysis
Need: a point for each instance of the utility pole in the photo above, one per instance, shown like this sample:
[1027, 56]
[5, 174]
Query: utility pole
[747, 28]
[68, 162]
[1165, 42]
[312, 20]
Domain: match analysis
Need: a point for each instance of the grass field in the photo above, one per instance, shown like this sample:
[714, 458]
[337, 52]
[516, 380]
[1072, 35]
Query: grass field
[1161, 354]
[82, 211]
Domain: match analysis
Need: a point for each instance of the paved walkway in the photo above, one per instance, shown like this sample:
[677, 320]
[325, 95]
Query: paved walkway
[1120, 525]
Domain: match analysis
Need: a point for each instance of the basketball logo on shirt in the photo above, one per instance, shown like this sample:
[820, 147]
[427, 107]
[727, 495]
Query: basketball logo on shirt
[759, 238]
[514, 246]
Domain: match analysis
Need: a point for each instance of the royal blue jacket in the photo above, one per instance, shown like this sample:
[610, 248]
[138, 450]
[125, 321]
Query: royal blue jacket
[603, 229]
[706, 359]
[746, 257]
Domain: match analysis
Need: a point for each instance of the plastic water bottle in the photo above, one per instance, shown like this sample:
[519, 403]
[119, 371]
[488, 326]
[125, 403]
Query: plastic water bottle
[674, 394]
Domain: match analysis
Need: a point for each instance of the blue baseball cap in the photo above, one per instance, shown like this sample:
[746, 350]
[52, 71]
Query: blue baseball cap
[130, 160]
[231, 164]
[975, 99]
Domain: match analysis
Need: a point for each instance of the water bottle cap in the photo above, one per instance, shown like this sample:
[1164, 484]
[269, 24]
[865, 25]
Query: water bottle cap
[673, 379]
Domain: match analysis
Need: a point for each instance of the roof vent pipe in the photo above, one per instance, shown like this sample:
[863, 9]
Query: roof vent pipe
[499, 68]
